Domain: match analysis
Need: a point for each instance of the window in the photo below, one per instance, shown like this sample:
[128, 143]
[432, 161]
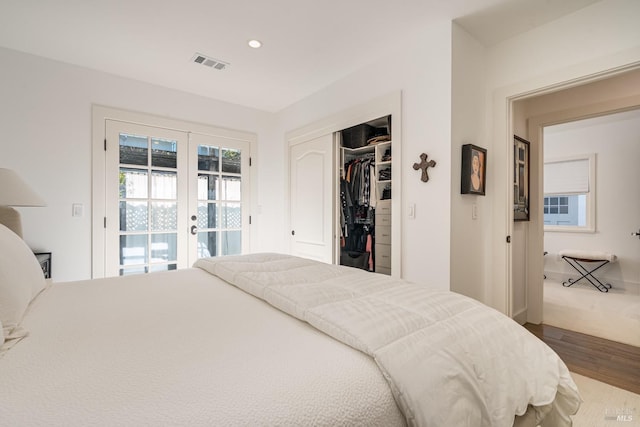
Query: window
[569, 209]
[569, 194]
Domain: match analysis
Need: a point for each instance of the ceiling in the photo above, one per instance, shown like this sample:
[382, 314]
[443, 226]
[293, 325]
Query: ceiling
[307, 44]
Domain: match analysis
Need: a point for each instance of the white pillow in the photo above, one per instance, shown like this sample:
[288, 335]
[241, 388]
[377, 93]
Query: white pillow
[21, 279]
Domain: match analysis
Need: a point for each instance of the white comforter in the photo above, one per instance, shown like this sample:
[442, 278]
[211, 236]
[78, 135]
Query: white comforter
[449, 360]
[181, 348]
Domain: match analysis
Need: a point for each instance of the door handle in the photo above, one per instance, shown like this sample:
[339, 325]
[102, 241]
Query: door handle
[194, 230]
[636, 233]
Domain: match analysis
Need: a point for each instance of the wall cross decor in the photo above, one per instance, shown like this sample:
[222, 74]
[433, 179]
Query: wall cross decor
[424, 165]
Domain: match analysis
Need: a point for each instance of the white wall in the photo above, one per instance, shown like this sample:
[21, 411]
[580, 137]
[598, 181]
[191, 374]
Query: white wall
[615, 140]
[45, 117]
[469, 237]
[421, 69]
[589, 40]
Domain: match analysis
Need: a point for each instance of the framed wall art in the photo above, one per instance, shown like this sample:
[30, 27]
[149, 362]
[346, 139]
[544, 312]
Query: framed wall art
[474, 168]
[520, 179]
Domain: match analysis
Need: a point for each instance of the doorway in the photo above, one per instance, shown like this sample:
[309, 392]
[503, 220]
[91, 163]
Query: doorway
[166, 192]
[617, 92]
[312, 157]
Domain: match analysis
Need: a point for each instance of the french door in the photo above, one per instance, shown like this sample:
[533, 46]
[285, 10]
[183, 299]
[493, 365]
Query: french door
[172, 197]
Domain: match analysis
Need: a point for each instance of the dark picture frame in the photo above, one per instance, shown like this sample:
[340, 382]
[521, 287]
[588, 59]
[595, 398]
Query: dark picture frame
[474, 170]
[521, 154]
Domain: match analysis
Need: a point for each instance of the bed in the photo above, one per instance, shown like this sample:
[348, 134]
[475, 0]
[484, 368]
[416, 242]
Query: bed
[264, 339]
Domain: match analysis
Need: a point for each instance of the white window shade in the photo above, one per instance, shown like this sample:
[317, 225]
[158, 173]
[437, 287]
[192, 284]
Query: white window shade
[566, 176]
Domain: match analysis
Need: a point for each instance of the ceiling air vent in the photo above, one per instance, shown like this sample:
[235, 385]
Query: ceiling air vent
[207, 61]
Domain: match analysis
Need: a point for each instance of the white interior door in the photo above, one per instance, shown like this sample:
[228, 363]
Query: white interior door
[312, 184]
[172, 197]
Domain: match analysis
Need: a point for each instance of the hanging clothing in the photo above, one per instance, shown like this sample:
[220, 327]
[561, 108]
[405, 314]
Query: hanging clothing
[360, 173]
[358, 200]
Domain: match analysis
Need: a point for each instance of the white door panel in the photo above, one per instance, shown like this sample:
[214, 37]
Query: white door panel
[311, 195]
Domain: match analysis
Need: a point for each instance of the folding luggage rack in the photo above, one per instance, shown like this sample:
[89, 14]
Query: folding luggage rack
[582, 262]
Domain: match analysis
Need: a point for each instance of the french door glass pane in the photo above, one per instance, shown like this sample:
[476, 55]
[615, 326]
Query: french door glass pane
[230, 188]
[134, 183]
[164, 153]
[230, 216]
[164, 185]
[134, 216]
[133, 249]
[164, 247]
[207, 215]
[164, 216]
[231, 160]
[207, 244]
[207, 187]
[128, 271]
[133, 149]
[231, 242]
[208, 158]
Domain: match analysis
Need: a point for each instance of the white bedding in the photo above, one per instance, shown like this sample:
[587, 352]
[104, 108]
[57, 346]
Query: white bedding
[449, 360]
[181, 348]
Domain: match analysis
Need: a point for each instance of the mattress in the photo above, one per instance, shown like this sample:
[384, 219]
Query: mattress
[181, 348]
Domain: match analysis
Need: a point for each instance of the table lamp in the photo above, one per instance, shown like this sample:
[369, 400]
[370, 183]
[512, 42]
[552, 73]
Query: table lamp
[15, 192]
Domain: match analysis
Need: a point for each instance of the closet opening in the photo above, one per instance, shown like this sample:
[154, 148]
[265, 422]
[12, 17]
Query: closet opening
[365, 195]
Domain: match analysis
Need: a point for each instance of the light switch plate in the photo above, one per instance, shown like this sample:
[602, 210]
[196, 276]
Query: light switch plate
[77, 209]
[411, 210]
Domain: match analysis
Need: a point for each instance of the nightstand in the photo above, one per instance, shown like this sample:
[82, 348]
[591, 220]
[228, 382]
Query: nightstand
[44, 258]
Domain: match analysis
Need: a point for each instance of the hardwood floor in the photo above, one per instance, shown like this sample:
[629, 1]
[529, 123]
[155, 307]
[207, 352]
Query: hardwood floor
[603, 360]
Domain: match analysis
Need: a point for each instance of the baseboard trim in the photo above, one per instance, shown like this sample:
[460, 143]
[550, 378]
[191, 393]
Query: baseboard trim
[521, 316]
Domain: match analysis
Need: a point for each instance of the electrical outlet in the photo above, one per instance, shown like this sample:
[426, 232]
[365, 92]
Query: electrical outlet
[474, 211]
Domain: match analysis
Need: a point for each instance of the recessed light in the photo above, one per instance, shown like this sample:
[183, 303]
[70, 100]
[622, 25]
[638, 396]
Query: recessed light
[255, 43]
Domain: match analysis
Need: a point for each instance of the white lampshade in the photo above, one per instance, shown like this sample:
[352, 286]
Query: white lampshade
[15, 192]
